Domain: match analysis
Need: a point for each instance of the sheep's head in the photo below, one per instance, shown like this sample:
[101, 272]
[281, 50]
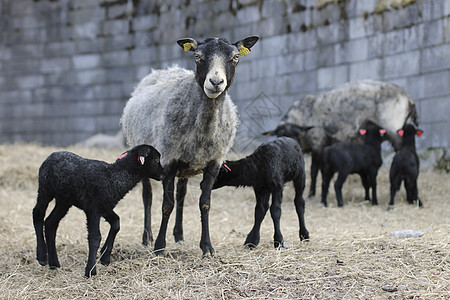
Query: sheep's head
[216, 60]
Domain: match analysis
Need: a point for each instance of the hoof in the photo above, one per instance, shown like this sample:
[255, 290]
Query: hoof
[250, 246]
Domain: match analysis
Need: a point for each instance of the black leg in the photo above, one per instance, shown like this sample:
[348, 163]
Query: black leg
[373, 180]
[275, 212]
[315, 167]
[114, 221]
[181, 193]
[209, 176]
[94, 238]
[167, 207]
[38, 221]
[299, 201]
[342, 176]
[262, 205]
[51, 225]
[147, 199]
[366, 184]
[327, 174]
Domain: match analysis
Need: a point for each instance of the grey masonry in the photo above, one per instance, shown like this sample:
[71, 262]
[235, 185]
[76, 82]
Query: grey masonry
[68, 67]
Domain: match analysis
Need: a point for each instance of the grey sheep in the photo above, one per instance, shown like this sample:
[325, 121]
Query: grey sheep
[190, 118]
[93, 186]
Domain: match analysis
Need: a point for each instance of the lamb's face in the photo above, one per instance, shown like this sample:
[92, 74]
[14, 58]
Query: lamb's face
[216, 60]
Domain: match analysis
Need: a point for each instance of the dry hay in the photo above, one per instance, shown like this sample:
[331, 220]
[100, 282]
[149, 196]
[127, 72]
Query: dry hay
[351, 254]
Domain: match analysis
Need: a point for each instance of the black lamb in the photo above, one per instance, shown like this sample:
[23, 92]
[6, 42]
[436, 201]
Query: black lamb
[93, 186]
[350, 158]
[267, 170]
[405, 165]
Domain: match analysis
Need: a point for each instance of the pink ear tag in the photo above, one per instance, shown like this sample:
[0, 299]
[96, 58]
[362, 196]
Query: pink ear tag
[401, 132]
[141, 160]
[122, 155]
[382, 131]
[362, 131]
[227, 167]
[419, 132]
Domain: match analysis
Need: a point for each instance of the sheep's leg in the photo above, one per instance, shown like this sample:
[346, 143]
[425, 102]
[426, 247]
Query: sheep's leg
[395, 184]
[275, 212]
[51, 225]
[327, 174]
[94, 238]
[299, 201]
[412, 193]
[147, 199]
[342, 176]
[366, 183]
[315, 166]
[114, 221]
[261, 208]
[209, 176]
[373, 180]
[38, 221]
[181, 193]
[167, 207]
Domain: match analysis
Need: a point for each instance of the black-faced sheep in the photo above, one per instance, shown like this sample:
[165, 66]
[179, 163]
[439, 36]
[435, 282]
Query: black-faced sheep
[335, 116]
[191, 119]
[93, 186]
[267, 169]
[405, 165]
[349, 158]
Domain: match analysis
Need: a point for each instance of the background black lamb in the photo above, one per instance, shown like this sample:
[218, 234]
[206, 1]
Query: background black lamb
[349, 158]
[405, 165]
[267, 169]
[93, 186]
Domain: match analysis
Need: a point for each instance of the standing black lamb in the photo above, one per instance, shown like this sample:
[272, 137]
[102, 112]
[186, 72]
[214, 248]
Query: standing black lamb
[349, 158]
[191, 119]
[405, 165]
[93, 186]
[267, 170]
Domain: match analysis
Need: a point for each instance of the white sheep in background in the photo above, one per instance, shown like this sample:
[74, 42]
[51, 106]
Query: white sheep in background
[335, 116]
[192, 121]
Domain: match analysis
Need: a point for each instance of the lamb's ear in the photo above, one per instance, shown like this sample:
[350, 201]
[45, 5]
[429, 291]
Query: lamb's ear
[419, 132]
[188, 44]
[244, 45]
[362, 131]
[400, 132]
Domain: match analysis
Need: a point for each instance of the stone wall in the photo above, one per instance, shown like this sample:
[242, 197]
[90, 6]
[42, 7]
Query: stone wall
[67, 67]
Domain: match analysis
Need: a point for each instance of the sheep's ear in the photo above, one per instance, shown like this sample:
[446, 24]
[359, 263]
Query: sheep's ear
[383, 131]
[188, 44]
[244, 45]
[142, 154]
[362, 131]
[419, 132]
[400, 132]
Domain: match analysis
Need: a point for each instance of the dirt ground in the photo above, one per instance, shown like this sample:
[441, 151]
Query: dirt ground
[351, 255]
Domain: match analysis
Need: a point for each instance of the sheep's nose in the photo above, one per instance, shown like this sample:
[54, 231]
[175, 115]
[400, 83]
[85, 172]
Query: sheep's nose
[216, 82]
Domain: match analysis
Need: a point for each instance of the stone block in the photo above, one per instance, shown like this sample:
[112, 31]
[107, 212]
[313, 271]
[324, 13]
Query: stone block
[114, 27]
[434, 109]
[433, 33]
[404, 64]
[51, 65]
[436, 58]
[116, 58]
[89, 30]
[413, 37]
[356, 28]
[325, 56]
[86, 61]
[289, 63]
[368, 69]
[331, 77]
[92, 76]
[30, 81]
[393, 42]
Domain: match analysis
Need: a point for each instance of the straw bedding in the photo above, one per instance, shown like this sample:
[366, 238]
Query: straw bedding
[351, 254]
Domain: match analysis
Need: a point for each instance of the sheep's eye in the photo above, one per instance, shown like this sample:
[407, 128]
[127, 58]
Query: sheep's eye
[197, 56]
[236, 57]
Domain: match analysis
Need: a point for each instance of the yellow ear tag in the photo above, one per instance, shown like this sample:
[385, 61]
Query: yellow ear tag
[243, 51]
[187, 46]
